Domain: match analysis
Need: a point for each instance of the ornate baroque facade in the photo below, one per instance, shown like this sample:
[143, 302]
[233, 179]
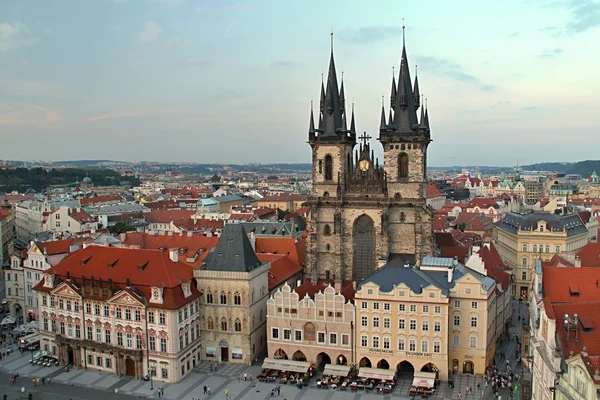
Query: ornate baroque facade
[362, 211]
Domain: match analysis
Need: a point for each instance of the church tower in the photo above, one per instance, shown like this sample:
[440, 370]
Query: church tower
[362, 212]
[405, 140]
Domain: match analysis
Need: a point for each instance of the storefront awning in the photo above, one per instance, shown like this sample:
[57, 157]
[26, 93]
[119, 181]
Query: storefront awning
[286, 365]
[424, 379]
[376, 373]
[336, 370]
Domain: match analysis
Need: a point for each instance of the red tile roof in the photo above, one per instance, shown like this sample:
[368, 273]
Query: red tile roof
[200, 225]
[60, 246]
[168, 216]
[482, 202]
[474, 222]
[80, 215]
[282, 268]
[589, 255]
[163, 205]
[143, 268]
[110, 198]
[285, 197]
[4, 213]
[496, 269]
[433, 191]
[194, 247]
[460, 252]
[588, 313]
[295, 249]
[558, 280]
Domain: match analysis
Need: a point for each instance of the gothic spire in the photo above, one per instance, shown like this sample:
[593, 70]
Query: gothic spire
[311, 126]
[405, 107]
[394, 90]
[332, 115]
[391, 119]
[416, 94]
[426, 115]
[383, 123]
[342, 95]
[422, 119]
[352, 124]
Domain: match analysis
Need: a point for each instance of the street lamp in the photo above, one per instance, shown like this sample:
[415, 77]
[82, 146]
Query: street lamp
[553, 390]
[151, 372]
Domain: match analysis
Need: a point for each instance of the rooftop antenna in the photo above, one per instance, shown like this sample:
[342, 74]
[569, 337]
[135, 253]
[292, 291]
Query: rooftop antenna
[331, 38]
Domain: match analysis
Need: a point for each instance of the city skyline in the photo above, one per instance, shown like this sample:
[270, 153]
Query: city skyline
[183, 80]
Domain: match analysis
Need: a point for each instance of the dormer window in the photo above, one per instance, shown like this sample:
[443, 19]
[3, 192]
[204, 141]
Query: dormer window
[157, 295]
[187, 289]
[49, 281]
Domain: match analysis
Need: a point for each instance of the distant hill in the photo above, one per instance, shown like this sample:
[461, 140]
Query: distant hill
[583, 168]
[39, 179]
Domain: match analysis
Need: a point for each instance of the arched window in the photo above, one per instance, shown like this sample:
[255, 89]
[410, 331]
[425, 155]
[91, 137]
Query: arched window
[238, 325]
[237, 300]
[326, 230]
[397, 196]
[535, 248]
[402, 217]
[403, 166]
[328, 168]
[326, 194]
[209, 298]
[223, 324]
[547, 249]
[210, 324]
[223, 298]
[327, 247]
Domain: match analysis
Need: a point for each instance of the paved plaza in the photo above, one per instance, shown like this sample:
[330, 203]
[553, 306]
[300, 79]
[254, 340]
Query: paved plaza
[88, 384]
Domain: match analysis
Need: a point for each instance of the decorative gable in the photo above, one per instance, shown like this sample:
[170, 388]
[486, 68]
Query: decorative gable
[157, 295]
[49, 281]
[186, 287]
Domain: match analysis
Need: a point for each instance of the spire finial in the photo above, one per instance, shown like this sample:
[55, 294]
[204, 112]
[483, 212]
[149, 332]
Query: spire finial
[331, 39]
[393, 70]
[382, 101]
[426, 102]
[403, 27]
[416, 68]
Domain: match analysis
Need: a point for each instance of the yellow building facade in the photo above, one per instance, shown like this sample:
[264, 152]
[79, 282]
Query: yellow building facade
[434, 318]
[581, 380]
[521, 239]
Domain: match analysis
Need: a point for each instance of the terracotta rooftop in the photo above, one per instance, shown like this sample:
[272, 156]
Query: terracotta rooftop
[588, 329]
[286, 197]
[310, 289]
[282, 268]
[569, 285]
[293, 248]
[433, 191]
[168, 216]
[110, 198]
[589, 255]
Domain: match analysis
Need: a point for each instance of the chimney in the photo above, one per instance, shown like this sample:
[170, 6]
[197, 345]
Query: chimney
[354, 285]
[577, 262]
[122, 237]
[78, 209]
[298, 282]
[189, 234]
[106, 242]
[450, 273]
[170, 233]
[455, 261]
[174, 255]
[337, 286]
[252, 239]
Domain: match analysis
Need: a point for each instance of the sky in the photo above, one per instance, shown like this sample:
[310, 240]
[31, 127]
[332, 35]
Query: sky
[231, 81]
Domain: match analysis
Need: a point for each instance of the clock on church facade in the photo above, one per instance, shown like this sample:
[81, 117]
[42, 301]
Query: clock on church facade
[361, 211]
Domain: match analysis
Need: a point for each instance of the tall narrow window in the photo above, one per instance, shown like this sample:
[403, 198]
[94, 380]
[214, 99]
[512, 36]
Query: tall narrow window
[326, 230]
[328, 168]
[403, 166]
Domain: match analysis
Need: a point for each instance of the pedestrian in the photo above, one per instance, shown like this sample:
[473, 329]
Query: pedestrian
[34, 383]
[245, 376]
[204, 389]
[49, 380]
[208, 389]
[44, 380]
[459, 397]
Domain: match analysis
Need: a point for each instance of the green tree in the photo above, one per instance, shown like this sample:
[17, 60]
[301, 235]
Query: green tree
[120, 227]
[281, 214]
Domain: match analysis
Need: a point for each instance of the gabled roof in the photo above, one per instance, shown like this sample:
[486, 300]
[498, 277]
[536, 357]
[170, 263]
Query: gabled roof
[227, 199]
[293, 248]
[233, 252]
[310, 289]
[56, 247]
[168, 216]
[433, 191]
[496, 269]
[110, 198]
[588, 314]
[81, 216]
[571, 224]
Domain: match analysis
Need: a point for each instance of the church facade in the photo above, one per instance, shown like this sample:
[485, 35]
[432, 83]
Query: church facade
[361, 211]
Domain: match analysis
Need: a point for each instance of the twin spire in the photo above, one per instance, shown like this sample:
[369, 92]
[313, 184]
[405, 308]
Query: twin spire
[405, 100]
[333, 118]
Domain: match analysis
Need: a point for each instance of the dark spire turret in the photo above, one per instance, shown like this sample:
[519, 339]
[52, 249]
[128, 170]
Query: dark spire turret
[422, 119]
[352, 124]
[342, 96]
[311, 124]
[416, 94]
[382, 124]
[391, 119]
[394, 90]
[322, 104]
[426, 115]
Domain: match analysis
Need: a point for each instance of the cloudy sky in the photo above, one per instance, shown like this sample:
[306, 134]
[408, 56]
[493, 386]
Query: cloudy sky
[507, 82]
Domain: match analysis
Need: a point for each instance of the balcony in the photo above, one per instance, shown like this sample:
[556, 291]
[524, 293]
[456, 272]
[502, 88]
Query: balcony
[104, 347]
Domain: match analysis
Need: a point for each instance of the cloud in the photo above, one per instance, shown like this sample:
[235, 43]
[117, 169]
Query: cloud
[453, 71]
[150, 33]
[550, 53]
[515, 34]
[529, 108]
[15, 35]
[169, 2]
[369, 34]
[585, 14]
[139, 113]
[27, 115]
[554, 31]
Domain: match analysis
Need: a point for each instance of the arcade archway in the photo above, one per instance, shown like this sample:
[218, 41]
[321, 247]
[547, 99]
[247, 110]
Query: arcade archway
[341, 360]
[279, 353]
[299, 356]
[365, 362]
[322, 360]
[468, 367]
[383, 364]
[405, 370]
